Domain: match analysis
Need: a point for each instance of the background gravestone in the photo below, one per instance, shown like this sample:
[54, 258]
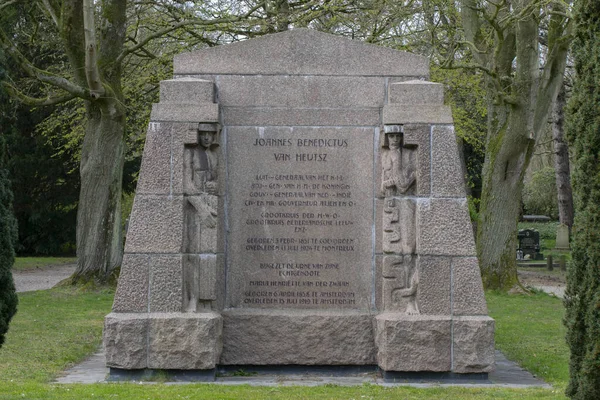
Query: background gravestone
[300, 201]
[529, 243]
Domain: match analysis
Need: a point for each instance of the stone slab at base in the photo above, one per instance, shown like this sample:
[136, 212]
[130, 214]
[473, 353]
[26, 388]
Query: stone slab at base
[166, 341]
[463, 345]
[297, 337]
[172, 375]
[445, 377]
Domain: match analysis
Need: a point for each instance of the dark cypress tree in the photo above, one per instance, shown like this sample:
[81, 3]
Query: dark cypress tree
[8, 237]
[582, 299]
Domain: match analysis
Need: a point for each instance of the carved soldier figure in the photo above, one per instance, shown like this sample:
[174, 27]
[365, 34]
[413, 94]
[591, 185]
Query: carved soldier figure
[398, 176]
[200, 187]
[397, 164]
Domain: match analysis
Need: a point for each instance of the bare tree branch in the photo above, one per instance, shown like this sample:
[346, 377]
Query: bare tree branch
[8, 3]
[32, 101]
[194, 22]
[91, 51]
[42, 76]
[51, 11]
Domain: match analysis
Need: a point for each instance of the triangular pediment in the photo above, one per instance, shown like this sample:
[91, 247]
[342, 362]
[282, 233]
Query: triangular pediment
[301, 52]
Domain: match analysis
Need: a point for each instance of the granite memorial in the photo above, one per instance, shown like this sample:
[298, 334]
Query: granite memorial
[300, 202]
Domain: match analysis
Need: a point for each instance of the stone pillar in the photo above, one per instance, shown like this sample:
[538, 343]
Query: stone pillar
[434, 313]
[166, 314]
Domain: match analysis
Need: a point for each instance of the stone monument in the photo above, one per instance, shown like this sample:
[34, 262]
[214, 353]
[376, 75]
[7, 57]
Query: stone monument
[300, 202]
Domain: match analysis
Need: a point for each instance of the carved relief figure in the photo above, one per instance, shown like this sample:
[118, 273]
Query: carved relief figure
[200, 187]
[400, 284]
[398, 176]
[397, 164]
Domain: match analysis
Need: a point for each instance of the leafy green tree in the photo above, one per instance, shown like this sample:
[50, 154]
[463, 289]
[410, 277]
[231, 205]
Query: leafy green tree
[522, 82]
[582, 297]
[540, 195]
[98, 39]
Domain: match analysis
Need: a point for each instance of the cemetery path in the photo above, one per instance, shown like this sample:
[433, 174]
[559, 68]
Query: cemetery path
[546, 281]
[41, 278]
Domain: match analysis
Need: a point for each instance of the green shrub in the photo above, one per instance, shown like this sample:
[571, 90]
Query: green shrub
[540, 196]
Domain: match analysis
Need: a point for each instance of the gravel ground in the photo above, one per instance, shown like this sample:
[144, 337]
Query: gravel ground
[41, 278]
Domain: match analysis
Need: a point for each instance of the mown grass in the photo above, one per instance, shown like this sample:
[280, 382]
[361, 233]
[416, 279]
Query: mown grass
[29, 263]
[57, 328]
[529, 330]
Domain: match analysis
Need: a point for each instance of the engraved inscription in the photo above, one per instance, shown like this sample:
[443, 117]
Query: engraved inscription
[295, 238]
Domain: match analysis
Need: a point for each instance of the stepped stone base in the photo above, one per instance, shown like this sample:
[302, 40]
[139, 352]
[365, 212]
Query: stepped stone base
[180, 341]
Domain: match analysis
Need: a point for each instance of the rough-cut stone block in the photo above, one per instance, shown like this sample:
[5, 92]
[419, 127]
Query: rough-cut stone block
[263, 116]
[416, 92]
[132, 291]
[166, 283]
[125, 340]
[433, 295]
[473, 346]
[301, 52]
[300, 337]
[467, 289]
[300, 91]
[184, 340]
[179, 112]
[155, 225]
[447, 173]
[186, 90]
[413, 342]
[155, 172]
[416, 114]
[444, 228]
[419, 135]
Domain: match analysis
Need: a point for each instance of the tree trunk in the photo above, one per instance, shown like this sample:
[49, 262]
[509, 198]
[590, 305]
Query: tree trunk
[561, 162]
[508, 153]
[99, 241]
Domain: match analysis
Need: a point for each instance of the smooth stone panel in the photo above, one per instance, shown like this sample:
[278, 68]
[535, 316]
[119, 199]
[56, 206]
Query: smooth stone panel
[433, 295]
[132, 290]
[473, 346]
[184, 340]
[300, 91]
[300, 217]
[468, 298]
[125, 339]
[155, 225]
[179, 112]
[444, 228]
[254, 337]
[446, 170]
[265, 116]
[413, 342]
[416, 114]
[186, 90]
[301, 51]
[155, 171]
[416, 92]
[166, 283]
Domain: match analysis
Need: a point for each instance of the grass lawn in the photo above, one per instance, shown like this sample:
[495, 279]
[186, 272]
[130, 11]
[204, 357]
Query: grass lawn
[56, 328]
[28, 263]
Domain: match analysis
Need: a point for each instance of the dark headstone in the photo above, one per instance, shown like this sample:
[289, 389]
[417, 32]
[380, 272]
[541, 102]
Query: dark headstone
[529, 243]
